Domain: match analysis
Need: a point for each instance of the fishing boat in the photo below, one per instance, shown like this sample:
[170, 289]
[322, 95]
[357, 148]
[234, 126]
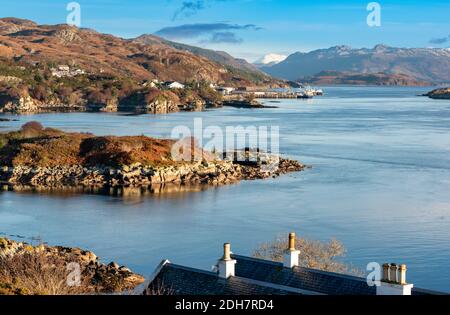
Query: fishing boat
[305, 95]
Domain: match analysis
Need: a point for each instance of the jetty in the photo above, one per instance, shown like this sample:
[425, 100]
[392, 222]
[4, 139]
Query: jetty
[274, 94]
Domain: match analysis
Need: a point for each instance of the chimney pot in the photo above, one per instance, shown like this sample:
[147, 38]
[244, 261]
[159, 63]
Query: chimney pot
[393, 274]
[292, 241]
[385, 272]
[394, 281]
[291, 258]
[226, 265]
[402, 277]
[226, 251]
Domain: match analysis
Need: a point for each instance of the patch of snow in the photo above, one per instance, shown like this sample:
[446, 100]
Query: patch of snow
[271, 59]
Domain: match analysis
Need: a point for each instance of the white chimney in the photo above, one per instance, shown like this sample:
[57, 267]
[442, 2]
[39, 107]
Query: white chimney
[226, 266]
[291, 256]
[394, 281]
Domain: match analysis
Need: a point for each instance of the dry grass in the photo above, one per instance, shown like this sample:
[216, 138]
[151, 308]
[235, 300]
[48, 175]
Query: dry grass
[43, 270]
[35, 147]
[159, 289]
[35, 273]
[313, 254]
[116, 151]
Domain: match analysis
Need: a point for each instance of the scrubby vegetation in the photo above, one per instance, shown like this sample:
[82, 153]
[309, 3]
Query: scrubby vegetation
[35, 146]
[20, 80]
[34, 273]
[94, 91]
[45, 270]
[201, 90]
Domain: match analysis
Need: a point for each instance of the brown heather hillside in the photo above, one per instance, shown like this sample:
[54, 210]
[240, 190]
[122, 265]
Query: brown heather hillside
[36, 146]
[29, 43]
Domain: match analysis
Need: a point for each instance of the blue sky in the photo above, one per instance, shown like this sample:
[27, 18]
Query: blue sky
[252, 28]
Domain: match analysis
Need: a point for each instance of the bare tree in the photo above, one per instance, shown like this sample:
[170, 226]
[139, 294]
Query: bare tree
[313, 254]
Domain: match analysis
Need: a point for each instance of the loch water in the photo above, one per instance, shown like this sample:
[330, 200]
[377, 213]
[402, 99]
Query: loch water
[380, 183]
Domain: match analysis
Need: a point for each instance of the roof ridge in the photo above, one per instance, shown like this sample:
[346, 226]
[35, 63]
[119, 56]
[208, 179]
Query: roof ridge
[260, 260]
[274, 263]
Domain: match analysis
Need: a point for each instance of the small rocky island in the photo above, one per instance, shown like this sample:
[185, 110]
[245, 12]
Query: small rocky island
[45, 270]
[45, 157]
[439, 94]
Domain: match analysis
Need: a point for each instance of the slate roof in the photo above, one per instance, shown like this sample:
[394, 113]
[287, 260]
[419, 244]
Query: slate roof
[302, 278]
[261, 277]
[179, 280]
[328, 283]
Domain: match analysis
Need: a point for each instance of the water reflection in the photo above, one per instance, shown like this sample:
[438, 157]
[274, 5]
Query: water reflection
[169, 190]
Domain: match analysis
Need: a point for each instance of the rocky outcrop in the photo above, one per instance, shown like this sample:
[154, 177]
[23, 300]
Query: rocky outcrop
[243, 103]
[111, 106]
[9, 79]
[439, 94]
[136, 175]
[153, 102]
[161, 106]
[23, 104]
[38, 156]
[96, 276]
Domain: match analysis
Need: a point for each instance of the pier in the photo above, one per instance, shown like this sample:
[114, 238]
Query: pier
[277, 94]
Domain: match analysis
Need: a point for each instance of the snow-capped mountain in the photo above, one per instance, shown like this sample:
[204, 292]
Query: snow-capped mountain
[270, 60]
[425, 64]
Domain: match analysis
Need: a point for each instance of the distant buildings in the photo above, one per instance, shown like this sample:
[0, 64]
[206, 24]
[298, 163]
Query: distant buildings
[225, 90]
[152, 84]
[63, 71]
[173, 85]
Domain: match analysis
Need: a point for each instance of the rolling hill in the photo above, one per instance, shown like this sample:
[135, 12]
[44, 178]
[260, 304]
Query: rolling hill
[28, 43]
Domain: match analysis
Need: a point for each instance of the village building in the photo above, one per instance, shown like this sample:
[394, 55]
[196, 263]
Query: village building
[241, 275]
[65, 71]
[152, 84]
[173, 85]
[225, 90]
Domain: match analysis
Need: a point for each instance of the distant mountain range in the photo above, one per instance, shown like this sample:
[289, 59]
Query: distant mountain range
[420, 64]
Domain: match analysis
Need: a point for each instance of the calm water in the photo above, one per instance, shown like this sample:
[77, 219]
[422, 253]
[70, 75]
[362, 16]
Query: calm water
[380, 184]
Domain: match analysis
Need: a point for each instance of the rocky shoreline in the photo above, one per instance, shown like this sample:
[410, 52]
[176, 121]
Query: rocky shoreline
[138, 175]
[439, 94]
[53, 261]
[246, 104]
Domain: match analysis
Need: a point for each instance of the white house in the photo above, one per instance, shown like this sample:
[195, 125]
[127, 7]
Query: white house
[65, 71]
[174, 85]
[225, 90]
